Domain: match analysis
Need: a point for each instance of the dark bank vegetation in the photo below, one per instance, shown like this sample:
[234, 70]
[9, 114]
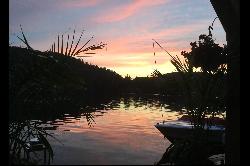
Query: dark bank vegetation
[40, 81]
[43, 82]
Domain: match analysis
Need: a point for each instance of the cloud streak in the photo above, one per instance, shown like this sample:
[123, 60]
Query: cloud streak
[142, 42]
[122, 12]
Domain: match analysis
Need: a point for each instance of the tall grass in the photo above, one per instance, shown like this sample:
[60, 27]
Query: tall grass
[62, 46]
[66, 52]
[73, 47]
[24, 40]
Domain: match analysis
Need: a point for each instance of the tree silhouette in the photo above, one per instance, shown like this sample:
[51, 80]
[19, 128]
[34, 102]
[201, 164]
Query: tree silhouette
[206, 54]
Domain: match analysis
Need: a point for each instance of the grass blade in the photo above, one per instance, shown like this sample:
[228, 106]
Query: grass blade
[72, 43]
[77, 44]
[67, 46]
[79, 50]
[58, 43]
[62, 46]
[25, 40]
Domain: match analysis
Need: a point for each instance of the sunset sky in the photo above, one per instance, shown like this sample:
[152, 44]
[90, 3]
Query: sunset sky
[127, 26]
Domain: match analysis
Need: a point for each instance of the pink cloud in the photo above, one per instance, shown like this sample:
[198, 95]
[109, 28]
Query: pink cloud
[142, 41]
[123, 12]
[136, 51]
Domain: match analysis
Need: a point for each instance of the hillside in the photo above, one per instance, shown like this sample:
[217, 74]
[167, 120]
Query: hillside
[47, 81]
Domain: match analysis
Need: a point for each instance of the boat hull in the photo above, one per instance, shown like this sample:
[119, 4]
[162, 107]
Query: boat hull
[180, 130]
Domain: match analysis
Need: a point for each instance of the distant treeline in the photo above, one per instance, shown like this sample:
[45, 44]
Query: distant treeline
[166, 84]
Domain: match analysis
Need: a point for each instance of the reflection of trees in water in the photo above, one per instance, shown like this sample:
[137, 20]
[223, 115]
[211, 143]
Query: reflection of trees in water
[114, 104]
[127, 102]
[90, 110]
[89, 117]
[152, 102]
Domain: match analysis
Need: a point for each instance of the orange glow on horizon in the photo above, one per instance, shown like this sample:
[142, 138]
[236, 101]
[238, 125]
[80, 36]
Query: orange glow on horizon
[136, 64]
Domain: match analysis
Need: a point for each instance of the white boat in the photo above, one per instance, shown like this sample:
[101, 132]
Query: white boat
[182, 129]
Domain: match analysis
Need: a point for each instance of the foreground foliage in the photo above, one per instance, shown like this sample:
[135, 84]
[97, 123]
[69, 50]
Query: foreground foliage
[204, 95]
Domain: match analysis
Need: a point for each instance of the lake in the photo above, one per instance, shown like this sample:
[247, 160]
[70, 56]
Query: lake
[120, 131]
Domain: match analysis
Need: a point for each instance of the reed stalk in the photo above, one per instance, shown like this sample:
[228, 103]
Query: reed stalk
[72, 42]
[67, 45]
[73, 50]
[54, 46]
[79, 50]
[58, 43]
[62, 46]
[77, 43]
[24, 40]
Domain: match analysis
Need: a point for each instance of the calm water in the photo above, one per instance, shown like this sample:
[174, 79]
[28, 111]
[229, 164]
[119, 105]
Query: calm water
[118, 132]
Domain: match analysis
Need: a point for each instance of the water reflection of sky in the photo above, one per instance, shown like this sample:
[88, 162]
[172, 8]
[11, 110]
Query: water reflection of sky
[122, 132]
